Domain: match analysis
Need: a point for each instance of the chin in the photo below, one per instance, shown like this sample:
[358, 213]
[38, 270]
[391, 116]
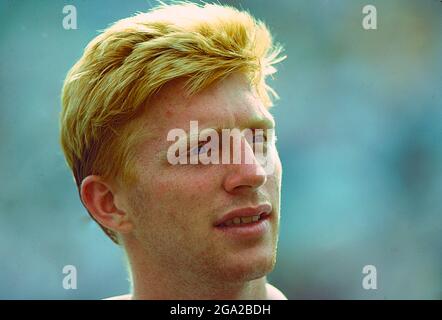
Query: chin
[249, 266]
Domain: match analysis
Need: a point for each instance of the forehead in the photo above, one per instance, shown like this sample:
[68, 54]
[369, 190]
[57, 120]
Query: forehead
[230, 103]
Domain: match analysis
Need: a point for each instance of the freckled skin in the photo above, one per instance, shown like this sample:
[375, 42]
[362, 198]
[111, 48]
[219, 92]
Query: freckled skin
[173, 208]
[169, 114]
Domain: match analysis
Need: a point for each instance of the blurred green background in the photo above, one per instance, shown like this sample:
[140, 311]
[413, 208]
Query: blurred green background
[359, 128]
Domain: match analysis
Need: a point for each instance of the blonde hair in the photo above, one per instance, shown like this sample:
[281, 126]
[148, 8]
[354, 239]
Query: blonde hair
[125, 65]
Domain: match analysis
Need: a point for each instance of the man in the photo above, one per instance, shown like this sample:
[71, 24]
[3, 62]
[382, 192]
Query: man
[190, 230]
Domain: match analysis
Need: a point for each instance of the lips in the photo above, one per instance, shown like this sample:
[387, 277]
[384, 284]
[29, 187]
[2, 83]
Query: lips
[244, 216]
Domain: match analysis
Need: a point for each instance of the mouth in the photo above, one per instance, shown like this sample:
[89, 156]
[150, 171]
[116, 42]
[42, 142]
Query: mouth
[239, 221]
[250, 221]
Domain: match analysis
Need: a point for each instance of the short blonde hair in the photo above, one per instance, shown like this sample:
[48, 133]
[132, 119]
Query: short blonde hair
[125, 65]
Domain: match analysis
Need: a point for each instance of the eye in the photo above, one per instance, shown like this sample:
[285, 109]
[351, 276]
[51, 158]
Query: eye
[259, 137]
[200, 149]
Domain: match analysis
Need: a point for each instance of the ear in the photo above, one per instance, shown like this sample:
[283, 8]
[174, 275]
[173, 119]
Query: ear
[99, 199]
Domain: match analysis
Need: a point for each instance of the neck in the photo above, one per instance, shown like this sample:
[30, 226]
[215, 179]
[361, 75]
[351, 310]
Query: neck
[147, 288]
[158, 282]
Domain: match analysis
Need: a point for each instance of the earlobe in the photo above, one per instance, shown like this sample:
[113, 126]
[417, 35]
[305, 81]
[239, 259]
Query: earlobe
[99, 199]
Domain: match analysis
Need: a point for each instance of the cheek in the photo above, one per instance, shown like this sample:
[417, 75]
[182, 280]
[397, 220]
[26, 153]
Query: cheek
[275, 178]
[180, 200]
[277, 173]
[183, 193]
[278, 169]
[160, 190]
[176, 187]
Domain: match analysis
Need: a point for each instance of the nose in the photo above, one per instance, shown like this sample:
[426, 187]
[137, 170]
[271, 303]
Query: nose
[245, 175]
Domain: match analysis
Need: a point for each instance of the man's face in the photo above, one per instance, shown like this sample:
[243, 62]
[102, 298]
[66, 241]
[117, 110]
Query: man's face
[175, 208]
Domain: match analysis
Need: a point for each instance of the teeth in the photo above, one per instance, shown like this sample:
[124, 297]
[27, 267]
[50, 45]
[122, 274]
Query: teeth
[238, 220]
[246, 219]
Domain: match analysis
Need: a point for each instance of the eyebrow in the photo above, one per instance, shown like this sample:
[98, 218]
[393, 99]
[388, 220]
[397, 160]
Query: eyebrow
[256, 122]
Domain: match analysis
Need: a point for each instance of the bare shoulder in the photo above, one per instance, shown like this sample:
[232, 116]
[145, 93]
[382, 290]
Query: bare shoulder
[273, 293]
[122, 297]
